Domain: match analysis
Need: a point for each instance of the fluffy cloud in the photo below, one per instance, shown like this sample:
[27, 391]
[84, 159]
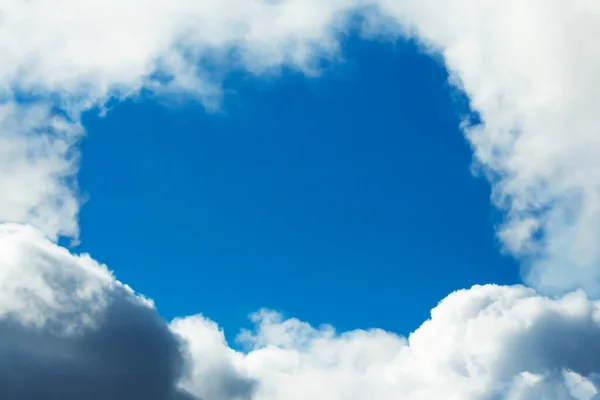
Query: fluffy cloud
[71, 56]
[70, 331]
[528, 68]
[89, 51]
[489, 342]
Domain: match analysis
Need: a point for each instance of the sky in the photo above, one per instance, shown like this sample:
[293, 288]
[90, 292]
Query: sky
[323, 198]
[268, 200]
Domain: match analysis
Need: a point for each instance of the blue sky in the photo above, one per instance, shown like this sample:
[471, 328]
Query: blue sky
[345, 198]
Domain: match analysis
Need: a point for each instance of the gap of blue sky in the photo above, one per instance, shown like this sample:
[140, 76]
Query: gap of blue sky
[344, 199]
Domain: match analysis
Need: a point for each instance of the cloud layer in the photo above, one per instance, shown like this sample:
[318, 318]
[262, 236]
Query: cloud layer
[489, 342]
[69, 330]
[528, 68]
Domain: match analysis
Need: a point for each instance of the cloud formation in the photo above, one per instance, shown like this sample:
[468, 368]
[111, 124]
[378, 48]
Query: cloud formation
[528, 68]
[70, 331]
[489, 342]
[38, 166]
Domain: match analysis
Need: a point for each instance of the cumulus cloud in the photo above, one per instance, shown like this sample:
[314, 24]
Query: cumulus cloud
[71, 56]
[528, 68]
[486, 343]
[90, 51]
[70, 331]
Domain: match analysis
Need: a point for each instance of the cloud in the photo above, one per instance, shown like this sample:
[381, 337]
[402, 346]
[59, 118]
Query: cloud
[489, 342]
[69, 330]
[528, 68]
[61, 58]
[215, 369]
[38, 166]
[88, 52]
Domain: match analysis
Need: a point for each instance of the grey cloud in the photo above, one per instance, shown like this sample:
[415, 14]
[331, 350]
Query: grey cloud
[555, 342]
[130, 355]
[70, 331]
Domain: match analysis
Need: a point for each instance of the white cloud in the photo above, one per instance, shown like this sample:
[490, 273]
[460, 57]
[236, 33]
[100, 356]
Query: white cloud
[99, 48]
[489, 342]
[42, 284]
[69, 330]
[213, 365]
[76, 55]
[529, 69]
[38, 163]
